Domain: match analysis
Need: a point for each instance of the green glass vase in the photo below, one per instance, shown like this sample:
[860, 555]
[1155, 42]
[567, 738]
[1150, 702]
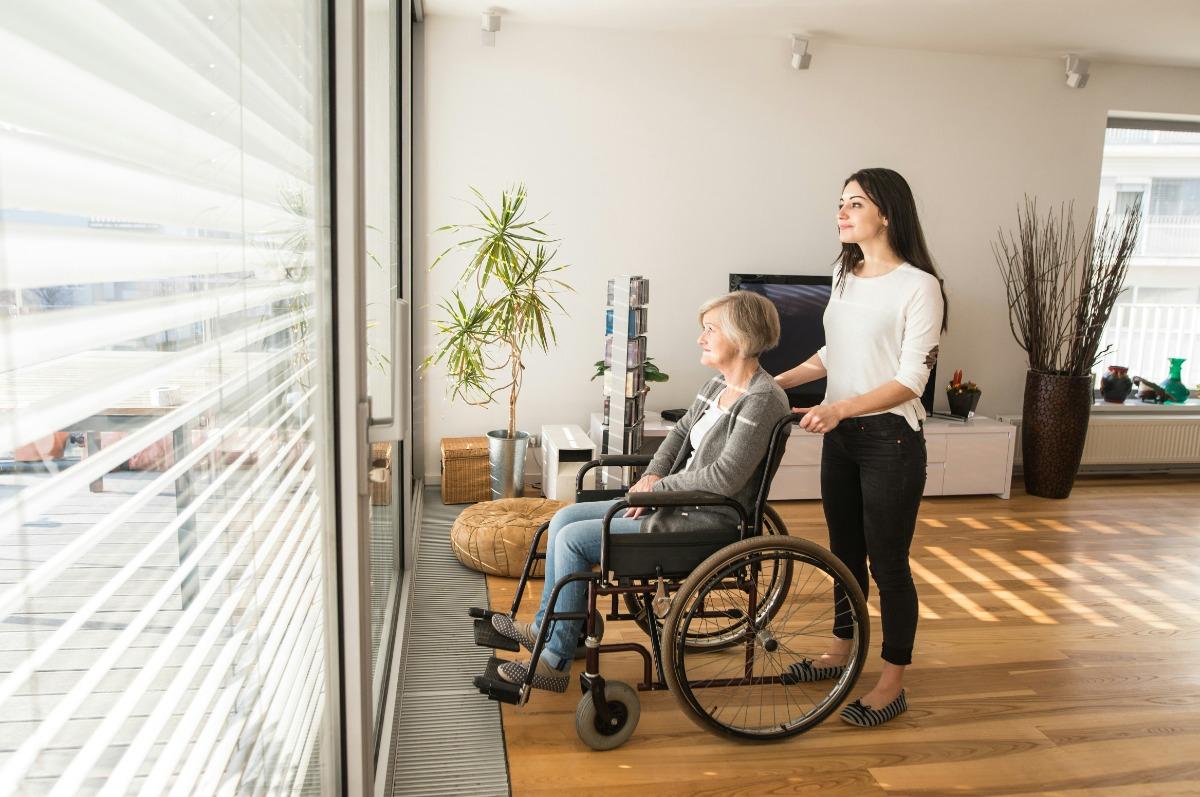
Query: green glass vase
[1175, 389]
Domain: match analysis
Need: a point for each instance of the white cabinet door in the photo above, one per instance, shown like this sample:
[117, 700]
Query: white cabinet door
[976, 463]
[796, 483]
[803, 448]
[934, 478]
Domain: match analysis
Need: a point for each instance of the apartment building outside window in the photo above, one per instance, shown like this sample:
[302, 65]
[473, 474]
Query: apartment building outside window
[1155, 166]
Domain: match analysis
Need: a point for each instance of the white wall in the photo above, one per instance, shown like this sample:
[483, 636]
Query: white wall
[684, 158]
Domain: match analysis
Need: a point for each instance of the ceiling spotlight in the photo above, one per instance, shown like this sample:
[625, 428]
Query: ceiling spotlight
[1077, 71]
[489, 25]
[800, 55]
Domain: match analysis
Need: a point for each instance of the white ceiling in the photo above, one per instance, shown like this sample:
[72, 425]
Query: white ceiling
[1157, 32]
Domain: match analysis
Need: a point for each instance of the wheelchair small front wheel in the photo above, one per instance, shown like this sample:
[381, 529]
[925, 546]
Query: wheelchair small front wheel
[624, 709]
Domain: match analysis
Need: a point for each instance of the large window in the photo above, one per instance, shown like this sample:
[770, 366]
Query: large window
[164, 394]
[1155, 166]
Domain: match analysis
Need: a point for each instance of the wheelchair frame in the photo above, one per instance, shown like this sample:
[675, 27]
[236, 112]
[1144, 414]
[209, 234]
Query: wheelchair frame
[600, 585]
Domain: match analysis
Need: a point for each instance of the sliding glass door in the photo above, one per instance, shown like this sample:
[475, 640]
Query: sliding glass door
[167, 505]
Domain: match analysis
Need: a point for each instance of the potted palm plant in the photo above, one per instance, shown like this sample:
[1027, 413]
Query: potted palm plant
[500, 309]
[1061, 288]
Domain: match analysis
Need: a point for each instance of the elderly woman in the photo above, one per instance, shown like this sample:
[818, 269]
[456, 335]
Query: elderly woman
[719, 446]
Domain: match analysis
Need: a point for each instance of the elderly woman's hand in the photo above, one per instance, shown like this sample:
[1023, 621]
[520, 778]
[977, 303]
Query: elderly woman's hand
[643, 485]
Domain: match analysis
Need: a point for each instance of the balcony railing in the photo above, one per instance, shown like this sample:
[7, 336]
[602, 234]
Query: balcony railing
[1144, 336]
[1129, 136]
[1170, 236]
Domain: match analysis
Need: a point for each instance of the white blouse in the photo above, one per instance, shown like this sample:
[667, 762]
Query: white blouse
[702, 426]
[880, 329]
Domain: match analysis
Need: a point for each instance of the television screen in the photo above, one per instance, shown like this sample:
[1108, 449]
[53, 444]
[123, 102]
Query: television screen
[800, 300]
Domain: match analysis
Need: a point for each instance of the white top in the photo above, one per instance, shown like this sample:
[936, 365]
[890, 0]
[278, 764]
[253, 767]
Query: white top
[883, 329]
[703, 425]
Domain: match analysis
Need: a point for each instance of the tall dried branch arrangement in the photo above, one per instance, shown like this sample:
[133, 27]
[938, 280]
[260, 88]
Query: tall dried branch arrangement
[1061, 285]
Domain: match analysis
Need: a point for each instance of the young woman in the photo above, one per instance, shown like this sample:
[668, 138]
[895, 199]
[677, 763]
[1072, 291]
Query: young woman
[881, 340]
[719, 446]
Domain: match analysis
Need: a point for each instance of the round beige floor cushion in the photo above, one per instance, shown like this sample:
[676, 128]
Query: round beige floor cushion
[493, 537]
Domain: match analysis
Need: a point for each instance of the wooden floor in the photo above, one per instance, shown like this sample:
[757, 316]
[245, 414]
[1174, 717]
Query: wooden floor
[1058, 653]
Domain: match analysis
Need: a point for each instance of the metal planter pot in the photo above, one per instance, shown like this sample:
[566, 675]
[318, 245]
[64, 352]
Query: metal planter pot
[506, 460]
[1054, 426]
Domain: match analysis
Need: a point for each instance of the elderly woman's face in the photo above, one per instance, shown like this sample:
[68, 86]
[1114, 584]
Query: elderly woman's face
[716, 350]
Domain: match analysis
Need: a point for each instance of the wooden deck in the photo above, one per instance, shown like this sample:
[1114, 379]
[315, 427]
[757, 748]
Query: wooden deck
[1058, 653]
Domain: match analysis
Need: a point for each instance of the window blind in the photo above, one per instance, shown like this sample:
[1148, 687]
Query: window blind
[164, 390]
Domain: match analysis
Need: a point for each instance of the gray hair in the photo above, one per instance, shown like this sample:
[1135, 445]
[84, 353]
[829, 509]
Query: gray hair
[750, 321]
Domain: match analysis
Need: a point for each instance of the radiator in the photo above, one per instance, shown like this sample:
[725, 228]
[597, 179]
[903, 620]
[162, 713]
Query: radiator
[1163, 440]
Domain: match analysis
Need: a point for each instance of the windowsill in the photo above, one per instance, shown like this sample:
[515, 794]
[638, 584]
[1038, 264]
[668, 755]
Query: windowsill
[1132, 406]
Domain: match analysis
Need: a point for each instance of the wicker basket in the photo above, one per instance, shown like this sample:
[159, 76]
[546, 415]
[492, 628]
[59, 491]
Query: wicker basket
[465, 475]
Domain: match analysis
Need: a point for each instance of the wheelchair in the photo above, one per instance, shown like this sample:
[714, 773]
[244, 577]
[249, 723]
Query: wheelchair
[730, 613]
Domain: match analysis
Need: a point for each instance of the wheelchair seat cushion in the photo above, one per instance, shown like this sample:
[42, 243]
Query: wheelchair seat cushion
[493, 537]
[677, 553]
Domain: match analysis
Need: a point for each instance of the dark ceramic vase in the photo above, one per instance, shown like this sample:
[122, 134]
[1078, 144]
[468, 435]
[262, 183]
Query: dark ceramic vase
[1054, 424]
[1115, 386]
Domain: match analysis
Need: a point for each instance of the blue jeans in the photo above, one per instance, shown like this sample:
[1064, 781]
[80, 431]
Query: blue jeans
[573, 547]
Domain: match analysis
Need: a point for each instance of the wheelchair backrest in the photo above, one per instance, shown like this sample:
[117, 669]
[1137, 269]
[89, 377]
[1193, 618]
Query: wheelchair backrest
[779, 440]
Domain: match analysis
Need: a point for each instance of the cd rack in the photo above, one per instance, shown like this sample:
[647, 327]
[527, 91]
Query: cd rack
[625, 345]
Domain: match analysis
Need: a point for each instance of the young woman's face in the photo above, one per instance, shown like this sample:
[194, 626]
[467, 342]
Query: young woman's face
[716, 350]
[858, 218]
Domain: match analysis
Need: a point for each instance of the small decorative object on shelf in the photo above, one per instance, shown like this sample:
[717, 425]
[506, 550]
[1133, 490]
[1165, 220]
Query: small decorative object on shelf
[963, 396]
[1149, 392]
[649, 370]
[1115, 386]
[1173, 386]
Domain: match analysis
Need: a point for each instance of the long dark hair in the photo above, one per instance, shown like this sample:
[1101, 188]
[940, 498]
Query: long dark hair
[891, 194]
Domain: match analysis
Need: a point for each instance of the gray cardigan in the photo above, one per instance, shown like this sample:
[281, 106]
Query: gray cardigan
[731, 456]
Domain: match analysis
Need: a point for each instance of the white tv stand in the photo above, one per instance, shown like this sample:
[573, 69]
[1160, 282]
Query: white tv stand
[973, 458]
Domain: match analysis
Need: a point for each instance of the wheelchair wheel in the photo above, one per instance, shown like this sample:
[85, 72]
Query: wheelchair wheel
[729, 623]
[737, 690]
[623, 705]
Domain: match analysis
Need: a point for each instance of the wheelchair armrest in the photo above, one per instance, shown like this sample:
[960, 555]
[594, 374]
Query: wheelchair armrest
[679, 498]
[610, 460]
[605, 460]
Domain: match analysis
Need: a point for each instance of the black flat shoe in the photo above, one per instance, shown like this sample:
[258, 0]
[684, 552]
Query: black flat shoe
[858, 714]
[807, 672]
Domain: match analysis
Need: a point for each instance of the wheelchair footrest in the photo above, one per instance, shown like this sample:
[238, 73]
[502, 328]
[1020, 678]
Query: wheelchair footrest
[495, 687]
[488, 637]
[475, 611]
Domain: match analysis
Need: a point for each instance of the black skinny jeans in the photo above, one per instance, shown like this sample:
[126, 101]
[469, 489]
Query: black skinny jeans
[872, 477]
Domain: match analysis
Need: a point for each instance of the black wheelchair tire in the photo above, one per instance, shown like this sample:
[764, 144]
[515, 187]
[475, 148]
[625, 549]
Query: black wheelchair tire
[675, 653]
